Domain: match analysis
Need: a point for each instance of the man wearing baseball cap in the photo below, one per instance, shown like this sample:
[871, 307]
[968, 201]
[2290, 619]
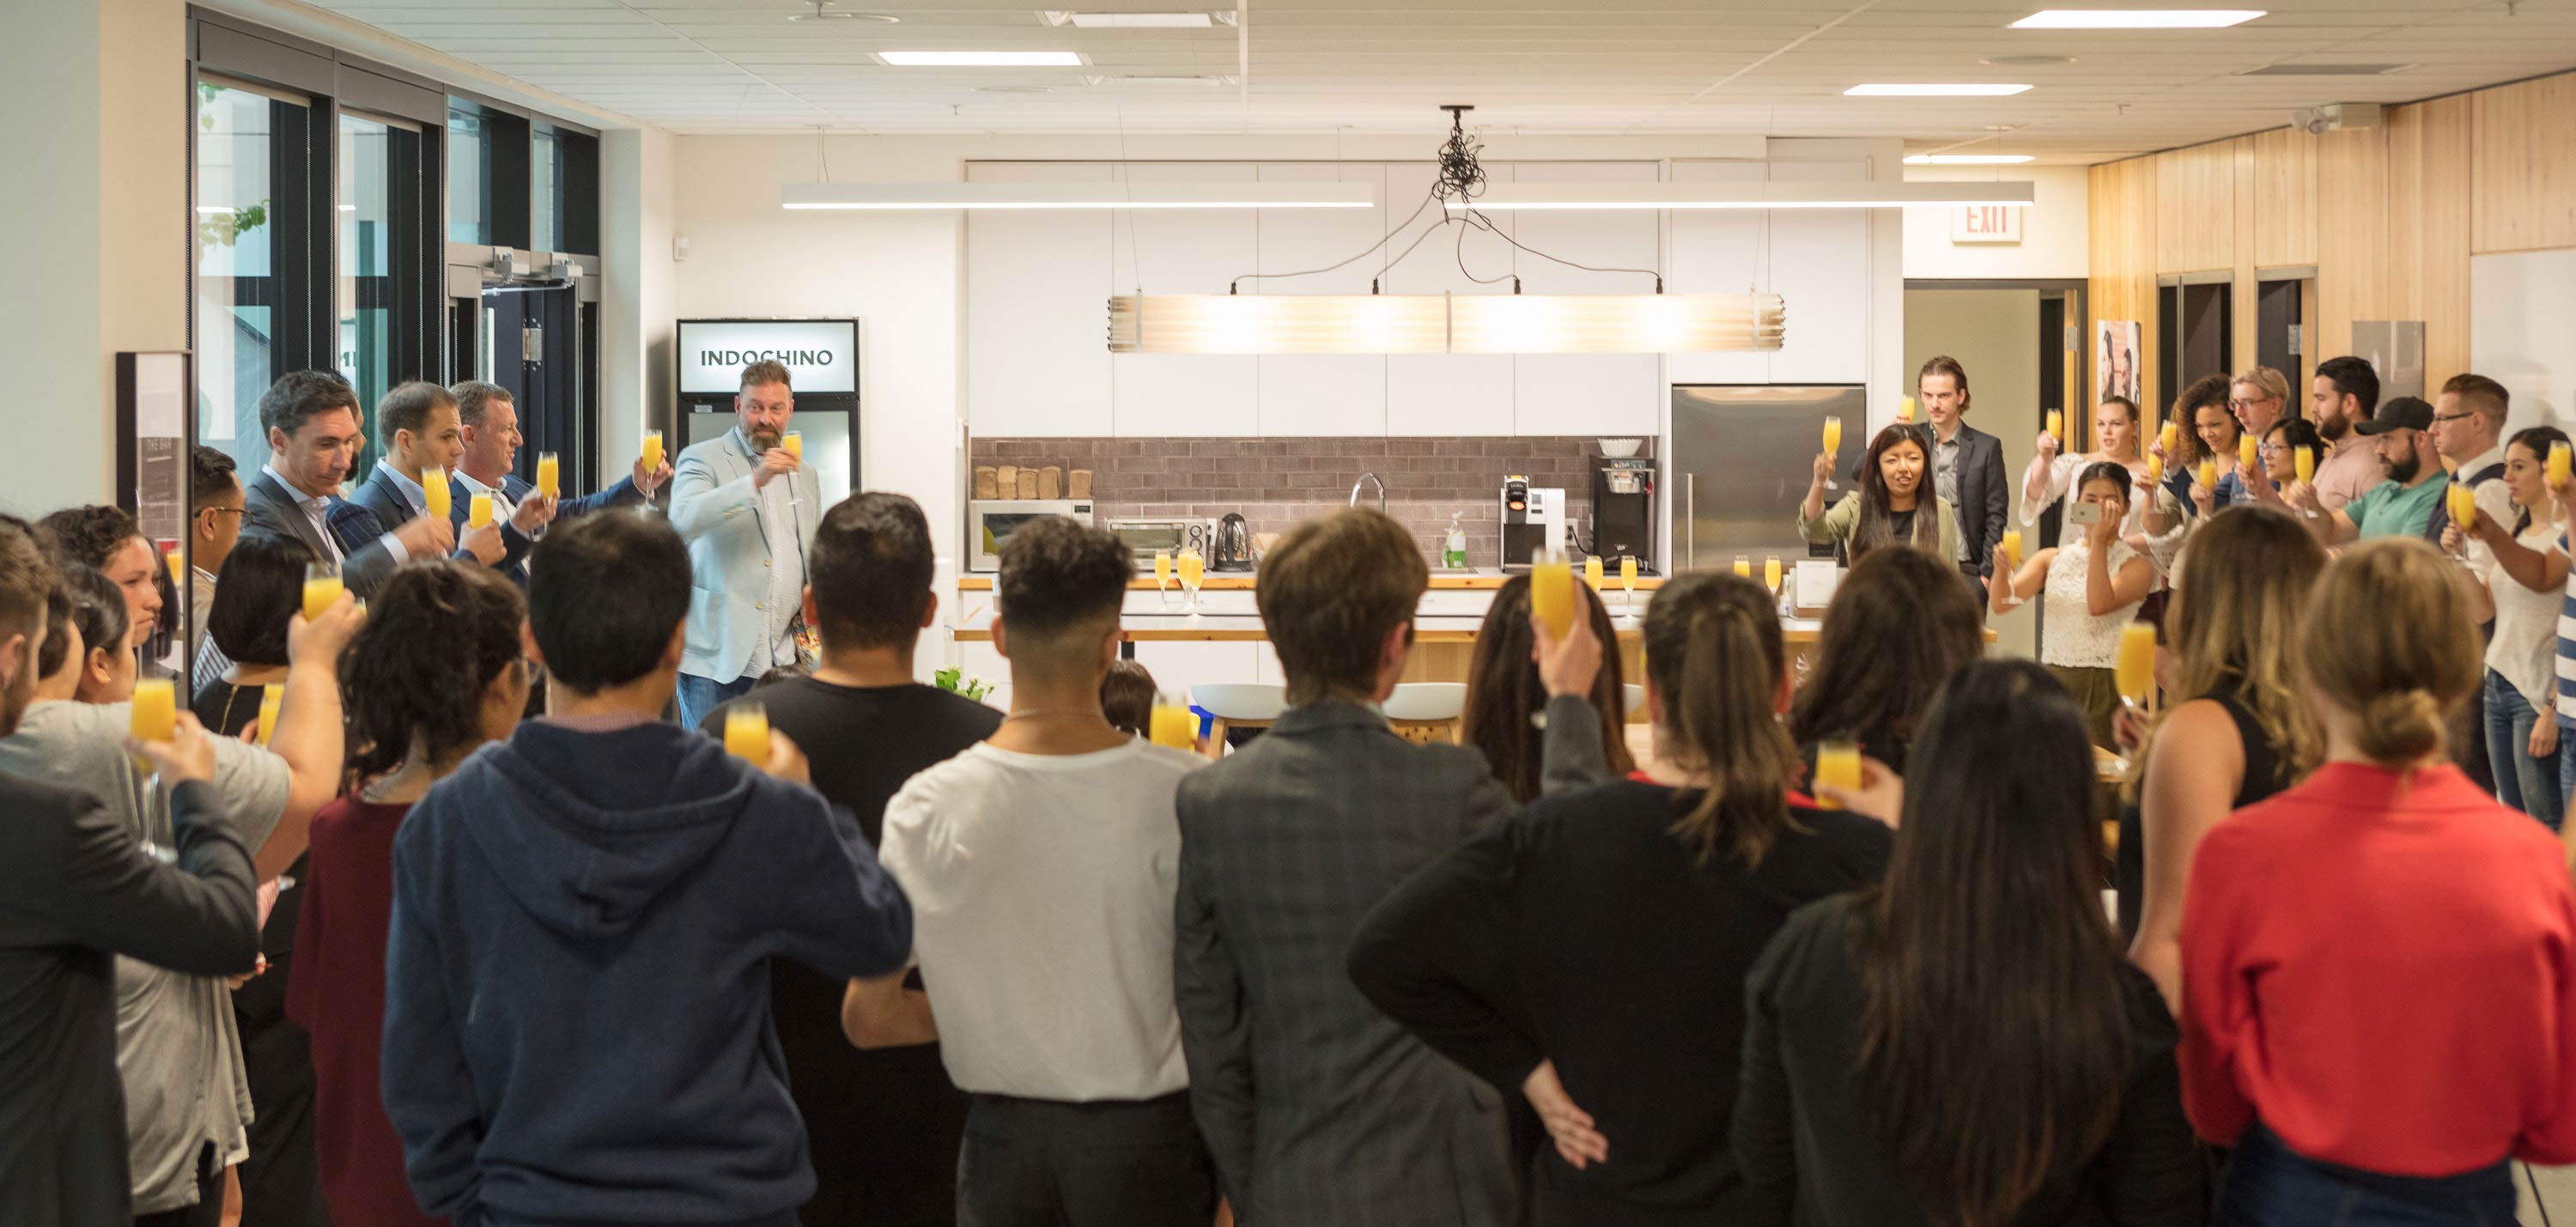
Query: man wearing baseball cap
[2401, 506]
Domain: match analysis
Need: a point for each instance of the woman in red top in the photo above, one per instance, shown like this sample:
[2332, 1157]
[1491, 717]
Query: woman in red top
[436, 672]
[2379, 965]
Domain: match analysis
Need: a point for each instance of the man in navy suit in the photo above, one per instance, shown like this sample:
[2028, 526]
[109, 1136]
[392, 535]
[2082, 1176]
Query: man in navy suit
[1967, 466]
[313, 437]
[488, 419]
[421, 436]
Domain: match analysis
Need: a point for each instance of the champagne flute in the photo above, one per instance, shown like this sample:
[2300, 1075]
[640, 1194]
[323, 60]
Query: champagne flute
[1552, 592]
[272, 699]
[2304, 463]
[1163, 577]
[322, 587]
[2462, 503]
[1771, 575]
[1172, 724]
[794, 442]
[2011, 547]
[746, 732]
[435, 497]
[1592, 572]
[1744, 565]
[1193, 572]
[1905, 409]
[549, 474]
[1628, 580]
[1833, 445]
[478, 513]
[1837, 766]
[2558, 465]
[652, 461]
[2134, 669]
[2057, 428]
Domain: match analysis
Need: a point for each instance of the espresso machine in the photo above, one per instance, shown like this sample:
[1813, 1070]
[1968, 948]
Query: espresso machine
[1533, 520]
[1623, 509]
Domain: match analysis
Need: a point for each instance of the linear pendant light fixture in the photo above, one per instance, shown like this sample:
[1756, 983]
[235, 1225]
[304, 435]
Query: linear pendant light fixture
[1773, 195]
[2136, 19]
[1443, 323]
[918, 196]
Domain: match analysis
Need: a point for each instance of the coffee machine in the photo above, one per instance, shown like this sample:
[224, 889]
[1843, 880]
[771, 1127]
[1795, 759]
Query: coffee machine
[1623, 509]
[1533, 520]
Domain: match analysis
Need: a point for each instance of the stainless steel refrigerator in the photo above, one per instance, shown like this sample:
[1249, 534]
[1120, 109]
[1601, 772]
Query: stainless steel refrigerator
[1741, 459]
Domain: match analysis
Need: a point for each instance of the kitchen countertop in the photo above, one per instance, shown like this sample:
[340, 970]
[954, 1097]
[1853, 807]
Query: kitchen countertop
[1241, 581]
[1201, 628]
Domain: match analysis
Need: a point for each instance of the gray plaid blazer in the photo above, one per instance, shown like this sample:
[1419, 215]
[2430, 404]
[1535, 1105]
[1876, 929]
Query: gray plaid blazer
[1319, 1110]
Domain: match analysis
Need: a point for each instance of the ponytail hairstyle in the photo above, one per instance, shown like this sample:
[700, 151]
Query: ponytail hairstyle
[1992, 996]
[1875, 528]
[2406, 652]
[1713, 652]
[435, 637]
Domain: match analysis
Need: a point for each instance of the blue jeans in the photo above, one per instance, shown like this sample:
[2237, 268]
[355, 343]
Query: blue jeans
[2523, 782]
[699, 695]
[2269, 1185]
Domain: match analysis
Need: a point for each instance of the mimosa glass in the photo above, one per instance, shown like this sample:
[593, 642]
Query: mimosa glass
[1837, 766]
[1628, 578]
[478, 513]
[434, 494]
[321, 588]
[1163, 577]
[746, 732]
[1592, 573]
[1193, 572]
[272, 698]
[549, 474]
[2134, 669]
[1744, 565]
[2011, 547]
[1552, 594]
[1833, 447]
[1173, 725]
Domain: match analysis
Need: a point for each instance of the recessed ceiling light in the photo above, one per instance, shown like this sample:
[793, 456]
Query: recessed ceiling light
[1948, 90]
[1966, 159]
[981, 59]
[1135, 21]
[2027, 61]
[2136, 19]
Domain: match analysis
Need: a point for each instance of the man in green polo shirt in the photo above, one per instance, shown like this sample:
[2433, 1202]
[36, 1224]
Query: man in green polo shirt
[2401, 506]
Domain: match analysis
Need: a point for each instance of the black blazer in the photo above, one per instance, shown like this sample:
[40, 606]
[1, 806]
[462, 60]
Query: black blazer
[270, 510]
[77, 889]
[1981, 496]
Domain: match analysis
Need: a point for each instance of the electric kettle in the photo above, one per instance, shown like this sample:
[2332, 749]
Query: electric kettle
[1233, 550]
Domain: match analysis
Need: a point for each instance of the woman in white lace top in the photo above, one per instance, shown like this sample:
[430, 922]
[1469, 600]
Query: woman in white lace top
[2093, 584]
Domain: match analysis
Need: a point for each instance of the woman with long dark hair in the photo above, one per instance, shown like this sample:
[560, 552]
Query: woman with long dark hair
[435, 673]
[2525, 746]
[1505, 692]
[1901, 623]
[1590, 955]
[1964, 1046]
[2378, 963]
[2092, 586]
[261, 588]
[2242, 730]
[1895, 481]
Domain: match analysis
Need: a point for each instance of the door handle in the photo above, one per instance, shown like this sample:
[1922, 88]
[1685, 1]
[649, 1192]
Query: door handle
[1690, 513]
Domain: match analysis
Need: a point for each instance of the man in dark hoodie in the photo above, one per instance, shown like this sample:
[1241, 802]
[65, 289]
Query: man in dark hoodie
[577, 1025]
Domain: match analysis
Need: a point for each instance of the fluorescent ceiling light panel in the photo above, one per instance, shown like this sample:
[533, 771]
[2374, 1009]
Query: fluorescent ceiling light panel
[1774, 195]
[1966, 159]
[981, 59]
[2136, 19]
[1135, 21]
[1969, 89]
[884, 196]
[1444, 323]
[1150, 80]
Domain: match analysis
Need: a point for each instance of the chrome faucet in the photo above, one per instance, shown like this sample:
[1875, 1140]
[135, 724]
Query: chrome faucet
[1365, 478]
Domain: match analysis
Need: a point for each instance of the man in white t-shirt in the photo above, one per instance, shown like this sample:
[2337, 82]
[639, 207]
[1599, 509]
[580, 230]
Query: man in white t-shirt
[1042, 866]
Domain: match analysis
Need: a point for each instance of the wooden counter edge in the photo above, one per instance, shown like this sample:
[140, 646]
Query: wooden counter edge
[1244, 583]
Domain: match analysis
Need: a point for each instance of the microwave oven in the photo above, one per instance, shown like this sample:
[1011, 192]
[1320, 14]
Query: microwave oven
[990, 522]
[1146, 537]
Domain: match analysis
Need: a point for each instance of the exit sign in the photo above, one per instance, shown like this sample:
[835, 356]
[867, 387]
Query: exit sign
[1986, 224]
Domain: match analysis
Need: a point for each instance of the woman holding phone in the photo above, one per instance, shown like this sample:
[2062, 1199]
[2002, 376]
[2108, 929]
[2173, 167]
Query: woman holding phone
[2093, 585]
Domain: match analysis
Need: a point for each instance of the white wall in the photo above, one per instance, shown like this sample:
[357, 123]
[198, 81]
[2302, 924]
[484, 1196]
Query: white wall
[2522, 308]
[2055, 228]
[638, 194]
[101, 226]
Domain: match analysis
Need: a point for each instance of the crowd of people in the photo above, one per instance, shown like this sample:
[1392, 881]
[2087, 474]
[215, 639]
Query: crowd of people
[467, 929]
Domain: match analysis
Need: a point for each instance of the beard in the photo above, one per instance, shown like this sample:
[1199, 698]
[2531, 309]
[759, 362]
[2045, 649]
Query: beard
[2403, 470]
[2333, 427]
[763, 439]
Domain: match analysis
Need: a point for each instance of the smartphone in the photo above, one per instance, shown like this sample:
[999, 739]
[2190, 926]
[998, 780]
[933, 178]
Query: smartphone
[2086, 514]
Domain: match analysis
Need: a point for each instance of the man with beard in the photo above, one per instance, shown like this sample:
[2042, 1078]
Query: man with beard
[2345, 394]
[748, 533]
[2402, 505]
[77, 888]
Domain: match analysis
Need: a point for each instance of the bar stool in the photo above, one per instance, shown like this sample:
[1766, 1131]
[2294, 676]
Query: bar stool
[1635, 701]
[1421, 712]
[1237, 706]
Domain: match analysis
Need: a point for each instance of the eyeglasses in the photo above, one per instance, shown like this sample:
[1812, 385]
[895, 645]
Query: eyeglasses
[2248, 404]
[2440, 418]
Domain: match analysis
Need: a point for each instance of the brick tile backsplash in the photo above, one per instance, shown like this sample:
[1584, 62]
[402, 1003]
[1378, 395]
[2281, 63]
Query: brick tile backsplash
[1277, 483]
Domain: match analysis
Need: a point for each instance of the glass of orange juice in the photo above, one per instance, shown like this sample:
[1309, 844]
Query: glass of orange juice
[155, 709]
[2463, 508]
[272, 699]
[2208, 474]
[1744, 565]
[1193, 573]
[2248, 453]
[1833, 445]
[478, 511]
[2303, 461]
[434, 494]
[652, 460]
[1593, 574]
[1837, 766]
[2155, 468]
[2011, 546]
[794, 443]
[746, 732]
[549, 474]
[2134, 669]
[1771, 573]
[1628, 577]
[178, 567]
[2170, 435]
[1173, 724]
[2558, 463]
[1163, 576]
[2057, 426]
[1905, 409]
[1552, 593]
[322, 588]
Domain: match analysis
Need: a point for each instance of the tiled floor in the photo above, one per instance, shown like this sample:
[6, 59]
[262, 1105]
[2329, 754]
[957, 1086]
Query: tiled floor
[2557, 1192]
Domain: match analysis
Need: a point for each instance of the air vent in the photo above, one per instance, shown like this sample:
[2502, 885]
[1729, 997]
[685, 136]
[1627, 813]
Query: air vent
[2327, 70]
[2027, 61]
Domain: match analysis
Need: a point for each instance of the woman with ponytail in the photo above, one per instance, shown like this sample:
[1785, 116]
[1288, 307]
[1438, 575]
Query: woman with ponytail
[435, 672]
[1965, 1046]
[2379, 965]
[1590, 955]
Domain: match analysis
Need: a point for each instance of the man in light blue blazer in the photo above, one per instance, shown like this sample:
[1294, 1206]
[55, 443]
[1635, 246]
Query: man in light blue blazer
[748, 510]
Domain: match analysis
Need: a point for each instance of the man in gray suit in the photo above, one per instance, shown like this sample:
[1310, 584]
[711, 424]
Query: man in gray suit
[313, 437]
[748, 533]
[1318, 1109]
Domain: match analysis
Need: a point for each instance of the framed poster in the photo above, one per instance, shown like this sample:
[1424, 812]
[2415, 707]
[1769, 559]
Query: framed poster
[2115, 360]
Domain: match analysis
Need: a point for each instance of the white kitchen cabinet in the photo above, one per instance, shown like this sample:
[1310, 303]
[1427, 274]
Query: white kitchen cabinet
[1181, 251]
[1321, 394]
[1718, 251]
[1037, 312]
[1177, 666]
[1820, 265]
[1587, 394]
[1441, 395]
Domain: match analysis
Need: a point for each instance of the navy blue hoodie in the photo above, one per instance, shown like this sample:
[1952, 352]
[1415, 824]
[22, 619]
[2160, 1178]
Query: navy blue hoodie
[577, 1022]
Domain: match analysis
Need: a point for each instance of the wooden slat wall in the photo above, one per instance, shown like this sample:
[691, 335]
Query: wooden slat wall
[2388, 216]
